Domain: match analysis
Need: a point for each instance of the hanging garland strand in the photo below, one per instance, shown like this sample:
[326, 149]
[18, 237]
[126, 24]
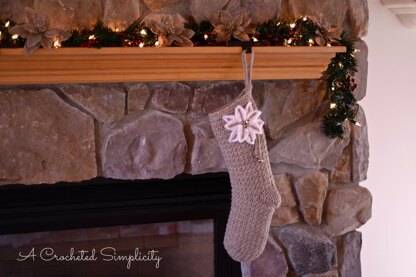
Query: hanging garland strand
[339, 90]
[339, 76]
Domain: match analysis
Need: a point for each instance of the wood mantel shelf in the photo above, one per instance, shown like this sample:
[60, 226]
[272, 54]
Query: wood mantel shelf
[84, 65]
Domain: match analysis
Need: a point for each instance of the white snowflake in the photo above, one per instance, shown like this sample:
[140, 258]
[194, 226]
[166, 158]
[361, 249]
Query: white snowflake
[244, 124]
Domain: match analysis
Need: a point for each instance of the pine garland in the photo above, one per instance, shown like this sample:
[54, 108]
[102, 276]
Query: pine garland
[339, 76]
[339, 90]
[7, 40]
[279, 33]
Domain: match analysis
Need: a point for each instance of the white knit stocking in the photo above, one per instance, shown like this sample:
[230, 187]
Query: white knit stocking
[239, 131]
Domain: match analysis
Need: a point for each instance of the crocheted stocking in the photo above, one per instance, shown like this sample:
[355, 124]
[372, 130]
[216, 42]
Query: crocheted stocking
[239, 131]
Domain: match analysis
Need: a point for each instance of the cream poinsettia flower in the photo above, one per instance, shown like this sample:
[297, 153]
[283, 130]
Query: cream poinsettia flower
[170, 28]
[236, 24]
[38, 32]
[244, 124]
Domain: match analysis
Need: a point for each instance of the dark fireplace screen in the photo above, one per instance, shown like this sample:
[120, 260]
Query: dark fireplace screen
[117, 228]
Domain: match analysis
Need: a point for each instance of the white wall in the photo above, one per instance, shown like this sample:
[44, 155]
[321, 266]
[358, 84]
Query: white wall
[389, 238]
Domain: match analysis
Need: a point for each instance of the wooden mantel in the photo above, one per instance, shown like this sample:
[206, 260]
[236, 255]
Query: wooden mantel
[84, 65]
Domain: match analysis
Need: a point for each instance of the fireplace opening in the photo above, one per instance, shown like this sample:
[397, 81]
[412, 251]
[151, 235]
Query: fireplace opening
[114, 227]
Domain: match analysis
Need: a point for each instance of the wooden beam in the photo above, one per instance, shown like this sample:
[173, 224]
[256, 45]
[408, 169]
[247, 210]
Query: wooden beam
[84, 65]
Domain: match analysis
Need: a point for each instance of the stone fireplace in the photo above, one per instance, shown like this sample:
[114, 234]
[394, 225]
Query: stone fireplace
[144, 131]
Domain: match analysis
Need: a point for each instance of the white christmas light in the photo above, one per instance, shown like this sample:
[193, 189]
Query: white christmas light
[255, 39]
[141, 45]
[56, 44]
[328, 44]
[205, 36]
[143, 32]
[15, 36]
[292, 25]
[358, 124]
[157, 43]
[304, 18]
[333, 105]
[91, 37]
[7, 24]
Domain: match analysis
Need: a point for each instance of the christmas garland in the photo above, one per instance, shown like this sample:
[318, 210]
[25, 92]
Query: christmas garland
[339, 76]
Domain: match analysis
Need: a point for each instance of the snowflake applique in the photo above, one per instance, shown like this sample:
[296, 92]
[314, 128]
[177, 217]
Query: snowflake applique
[244, 124]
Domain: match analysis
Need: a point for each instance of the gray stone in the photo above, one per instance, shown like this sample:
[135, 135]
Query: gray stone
[206, 153]
[342, 170]
[70, 14]
[331, 273]
[208, 9]
[287, 101]
[105, 104]
[308, 250]
[157, 5]
[14, 10]
[287, 213]
[169, 7]
[152, 146]
[43, 139]
[360, 148]
[308, 147]
[172, 97]
[181, 7]
[275, 95]
[262, 11]
[357, 18]
[361, 76]
[60, 14]
[293, 170]
[328, 13]
[88, 13]
[347, 208]
[137, 96]
[120, 14]
[258, 93]
[311, 191]
[349, 248]
[213, 96]
[271, 262]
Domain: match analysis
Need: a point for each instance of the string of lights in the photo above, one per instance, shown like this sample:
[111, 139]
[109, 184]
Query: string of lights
[339, 77]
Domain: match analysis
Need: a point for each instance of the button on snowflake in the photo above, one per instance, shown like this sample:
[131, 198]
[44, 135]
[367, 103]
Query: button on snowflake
[244, 124]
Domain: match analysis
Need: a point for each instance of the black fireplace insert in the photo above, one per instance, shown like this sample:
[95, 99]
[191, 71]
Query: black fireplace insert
[105, 202]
